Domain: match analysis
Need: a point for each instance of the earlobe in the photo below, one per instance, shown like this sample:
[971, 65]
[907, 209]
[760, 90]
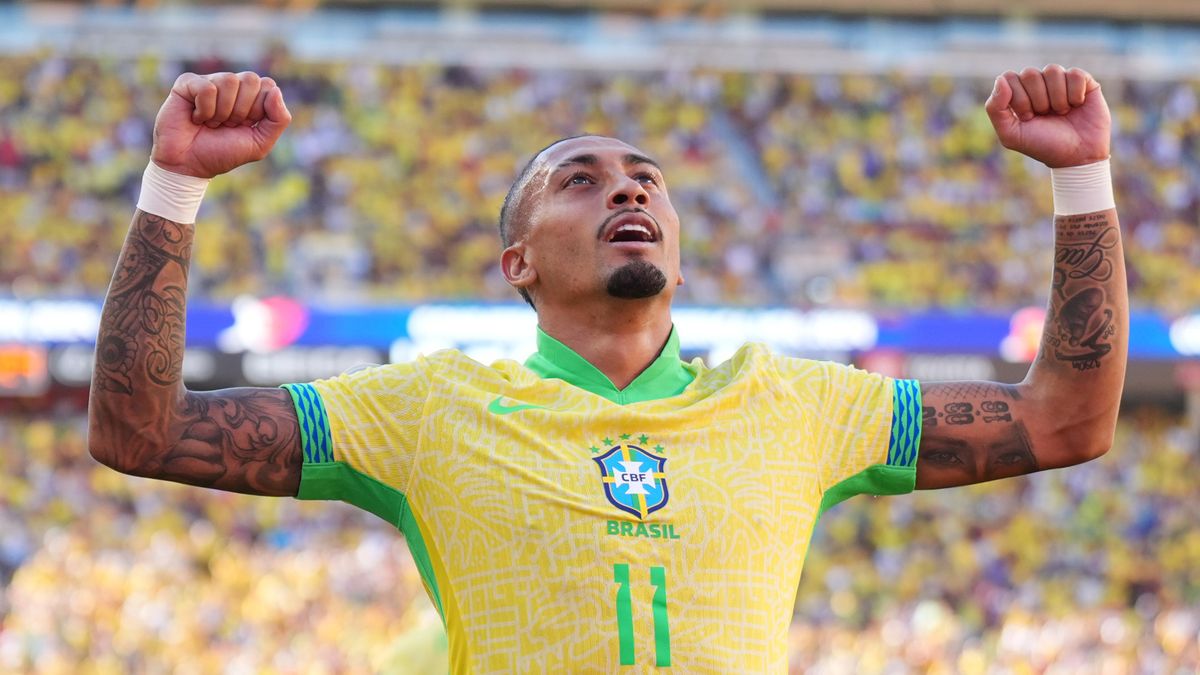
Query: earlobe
[516, 268]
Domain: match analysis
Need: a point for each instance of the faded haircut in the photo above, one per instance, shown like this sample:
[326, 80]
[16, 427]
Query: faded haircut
[513, 211]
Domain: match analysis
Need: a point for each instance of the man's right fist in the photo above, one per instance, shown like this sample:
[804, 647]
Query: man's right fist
[211, 124]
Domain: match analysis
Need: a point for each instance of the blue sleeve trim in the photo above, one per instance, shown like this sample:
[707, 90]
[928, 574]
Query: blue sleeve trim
[906, 423]
[314, 423]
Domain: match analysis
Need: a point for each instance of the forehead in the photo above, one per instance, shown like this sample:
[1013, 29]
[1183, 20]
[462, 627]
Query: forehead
[601, 147]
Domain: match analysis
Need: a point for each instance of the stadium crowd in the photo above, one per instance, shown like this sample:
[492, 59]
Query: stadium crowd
[1093, 569]
[865, 191]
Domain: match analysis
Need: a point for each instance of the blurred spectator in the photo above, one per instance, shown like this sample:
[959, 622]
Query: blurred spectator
[868, 190]
[124, 575]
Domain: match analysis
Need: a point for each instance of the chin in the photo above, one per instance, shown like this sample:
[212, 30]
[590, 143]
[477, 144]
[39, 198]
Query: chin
[636, 280]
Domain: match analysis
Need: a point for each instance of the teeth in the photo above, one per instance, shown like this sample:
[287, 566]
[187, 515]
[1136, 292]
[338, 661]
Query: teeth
[634, 227]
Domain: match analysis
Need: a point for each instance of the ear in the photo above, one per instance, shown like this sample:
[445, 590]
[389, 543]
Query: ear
[516, 267]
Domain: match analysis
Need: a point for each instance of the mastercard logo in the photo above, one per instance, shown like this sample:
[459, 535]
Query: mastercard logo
[263, 325]
[1024, 335]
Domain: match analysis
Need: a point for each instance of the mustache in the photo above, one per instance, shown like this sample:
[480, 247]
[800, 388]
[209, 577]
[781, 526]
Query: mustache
[622, 212]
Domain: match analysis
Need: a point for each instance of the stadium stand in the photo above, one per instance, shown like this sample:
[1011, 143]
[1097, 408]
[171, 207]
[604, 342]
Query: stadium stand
[791, 188]
[833, 175]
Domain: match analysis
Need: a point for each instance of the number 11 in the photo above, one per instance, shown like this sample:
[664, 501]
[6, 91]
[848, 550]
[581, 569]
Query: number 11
[662, 631]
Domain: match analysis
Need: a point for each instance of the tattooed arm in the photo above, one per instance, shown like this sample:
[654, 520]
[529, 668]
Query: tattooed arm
[1065, 410]
[141, 418]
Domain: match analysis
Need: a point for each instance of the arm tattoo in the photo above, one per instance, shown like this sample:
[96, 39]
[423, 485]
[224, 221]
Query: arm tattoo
[235, 440]
[143, 421]
[1064, 411]
[970, 434]
[1080, 325]
[143, 323]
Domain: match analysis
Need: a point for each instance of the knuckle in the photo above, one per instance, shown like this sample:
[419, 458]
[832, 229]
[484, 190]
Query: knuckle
[1030, 72]
[268, 82]
[249, 77]
[1053, 68]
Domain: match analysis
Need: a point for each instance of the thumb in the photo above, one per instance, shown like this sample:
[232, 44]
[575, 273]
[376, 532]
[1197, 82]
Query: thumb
[1003, 119]
[276, 118]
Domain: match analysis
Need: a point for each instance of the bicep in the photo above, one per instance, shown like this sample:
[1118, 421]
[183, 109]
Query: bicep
[243, 440]
[973, 431]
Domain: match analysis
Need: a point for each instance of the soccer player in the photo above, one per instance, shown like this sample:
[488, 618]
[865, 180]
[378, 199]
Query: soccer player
[605, 506]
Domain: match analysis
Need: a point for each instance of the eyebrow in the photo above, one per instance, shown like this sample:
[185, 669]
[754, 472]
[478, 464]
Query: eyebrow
[950, 443]
[592, 160]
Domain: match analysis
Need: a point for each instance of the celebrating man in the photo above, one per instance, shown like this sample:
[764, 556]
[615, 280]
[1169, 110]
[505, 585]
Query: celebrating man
[605, 505]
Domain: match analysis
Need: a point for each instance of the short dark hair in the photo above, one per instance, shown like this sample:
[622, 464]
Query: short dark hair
[512, 211]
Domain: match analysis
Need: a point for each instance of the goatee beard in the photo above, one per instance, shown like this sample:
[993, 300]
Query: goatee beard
[636, 280]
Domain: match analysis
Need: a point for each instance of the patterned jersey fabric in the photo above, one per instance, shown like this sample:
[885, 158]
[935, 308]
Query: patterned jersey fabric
[563, 525]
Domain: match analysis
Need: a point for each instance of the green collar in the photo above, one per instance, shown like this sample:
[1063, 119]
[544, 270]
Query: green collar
[666, 376]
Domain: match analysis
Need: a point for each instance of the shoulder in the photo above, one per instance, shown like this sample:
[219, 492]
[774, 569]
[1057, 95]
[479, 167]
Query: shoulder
[749, 356]
[422, 370]
[756, 361]
[756, 358]
[454, 369]
[752, 365]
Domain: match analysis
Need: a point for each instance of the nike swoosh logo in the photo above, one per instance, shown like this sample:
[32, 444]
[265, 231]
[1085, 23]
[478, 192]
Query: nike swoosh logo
[496, 407]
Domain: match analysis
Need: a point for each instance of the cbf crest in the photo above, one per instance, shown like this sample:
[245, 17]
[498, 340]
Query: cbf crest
[634, 478]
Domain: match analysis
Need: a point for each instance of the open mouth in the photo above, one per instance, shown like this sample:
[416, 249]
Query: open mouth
[631, 227]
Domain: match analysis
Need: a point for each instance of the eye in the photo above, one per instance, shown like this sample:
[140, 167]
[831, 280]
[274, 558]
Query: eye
[944, 458]
[645, 177]
[580, 179]
[1010, 458]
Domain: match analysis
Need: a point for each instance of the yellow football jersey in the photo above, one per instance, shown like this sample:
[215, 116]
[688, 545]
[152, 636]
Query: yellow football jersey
[564, 526]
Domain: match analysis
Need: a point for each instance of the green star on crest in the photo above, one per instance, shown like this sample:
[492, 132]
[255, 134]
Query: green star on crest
[625, 437]
[607, 441]
[659, 448]
[594, 449]
[643, 439]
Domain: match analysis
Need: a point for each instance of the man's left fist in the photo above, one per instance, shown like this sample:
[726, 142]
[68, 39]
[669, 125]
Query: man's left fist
[1054, 115]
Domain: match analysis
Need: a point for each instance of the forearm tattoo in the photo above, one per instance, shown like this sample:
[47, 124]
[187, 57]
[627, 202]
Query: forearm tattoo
[142, 326]
[1080, 325]
[148, 424]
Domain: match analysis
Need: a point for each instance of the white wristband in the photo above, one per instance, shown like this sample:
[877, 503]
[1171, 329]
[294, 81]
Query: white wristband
[1082, 189]
[171, 195]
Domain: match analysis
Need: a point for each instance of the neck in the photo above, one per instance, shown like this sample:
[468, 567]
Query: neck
[620, 339]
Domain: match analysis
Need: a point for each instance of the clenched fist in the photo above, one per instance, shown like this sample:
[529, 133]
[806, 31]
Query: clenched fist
[211, 124]
[1054, 115]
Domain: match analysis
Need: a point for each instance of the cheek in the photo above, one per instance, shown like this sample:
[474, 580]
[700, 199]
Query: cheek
[564, 257]
[570, 251]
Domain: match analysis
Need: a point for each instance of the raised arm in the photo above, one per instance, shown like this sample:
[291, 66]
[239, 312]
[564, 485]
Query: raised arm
[141, 418]
[1065, 411]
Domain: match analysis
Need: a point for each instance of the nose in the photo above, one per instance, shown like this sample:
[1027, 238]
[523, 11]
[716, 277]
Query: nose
[625, 191]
